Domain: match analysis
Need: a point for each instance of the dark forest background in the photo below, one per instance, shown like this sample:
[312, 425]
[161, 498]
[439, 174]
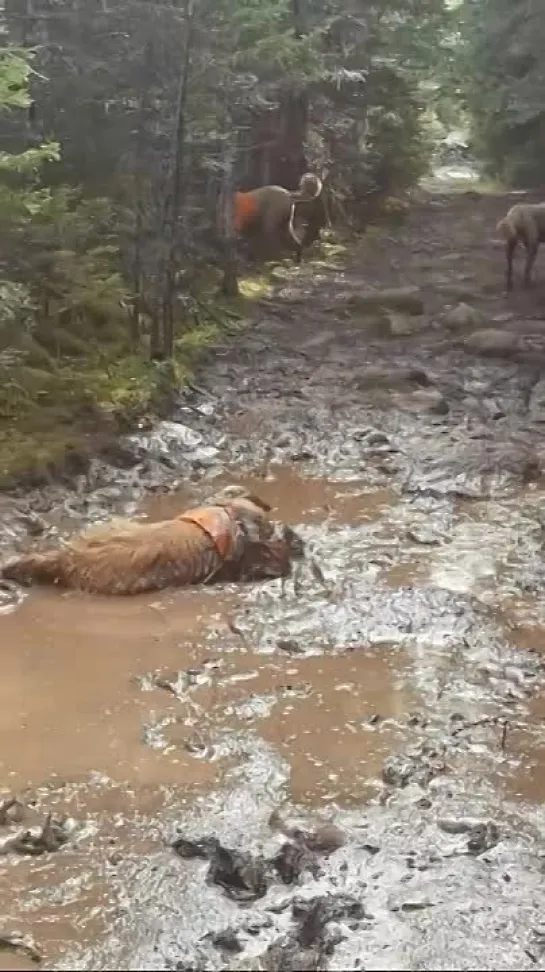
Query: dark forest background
[124, 120]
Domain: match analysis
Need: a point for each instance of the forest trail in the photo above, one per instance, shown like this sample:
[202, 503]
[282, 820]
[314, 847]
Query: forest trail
[394, 686]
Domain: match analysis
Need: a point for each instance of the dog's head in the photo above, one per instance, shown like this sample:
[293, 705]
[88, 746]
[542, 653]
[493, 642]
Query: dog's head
[249, 512]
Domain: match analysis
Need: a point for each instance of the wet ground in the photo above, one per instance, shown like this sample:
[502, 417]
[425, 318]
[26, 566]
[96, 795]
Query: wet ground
[365, 740]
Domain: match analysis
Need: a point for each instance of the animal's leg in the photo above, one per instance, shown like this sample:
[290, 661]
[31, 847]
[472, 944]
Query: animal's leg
[295, 243]
[272, 224]
[510, 248]
[531, 253]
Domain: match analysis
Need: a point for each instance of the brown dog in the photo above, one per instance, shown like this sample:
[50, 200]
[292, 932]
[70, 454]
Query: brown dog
[227, 540]
[524, 223]
[269, 211]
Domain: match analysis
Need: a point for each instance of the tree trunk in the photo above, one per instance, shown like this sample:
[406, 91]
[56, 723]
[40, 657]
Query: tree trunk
[291, 160]
[229, 284]
[137, 241]
[277, 155]
[174, 203]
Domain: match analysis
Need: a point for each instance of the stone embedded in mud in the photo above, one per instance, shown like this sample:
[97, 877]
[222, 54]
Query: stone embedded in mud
[408, 906]
[397, 771]
[242, 876]
[227, 941]
[448, 288]
[325, 839]
[302, 455]
[22, 944]
[35, 525]
[390, 378]
[50, 838]
[425, 536]
[463, 316]
[405, 299]
[492, 341]
[476, 468]
[403, 325]
[371, 437]
[420, 767]
[536, 405]
[286, 956]
[290, 646]
[424, 400]
[292, 860]
[166, 437]
[190, 849]
[313, 916]
[12, 811]
[483, 837]
[308, 946]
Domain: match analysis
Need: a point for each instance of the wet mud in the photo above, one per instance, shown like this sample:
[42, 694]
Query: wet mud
[343, 768]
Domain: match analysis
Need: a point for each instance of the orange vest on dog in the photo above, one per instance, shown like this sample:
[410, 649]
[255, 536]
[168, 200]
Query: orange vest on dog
[244, 211]
[217, 524]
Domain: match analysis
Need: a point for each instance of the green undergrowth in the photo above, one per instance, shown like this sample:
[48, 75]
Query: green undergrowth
[58, 413]
[64, 402]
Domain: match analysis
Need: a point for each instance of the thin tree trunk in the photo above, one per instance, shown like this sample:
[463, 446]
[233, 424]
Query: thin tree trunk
[229, 285]
[136, 269]
[173, 206]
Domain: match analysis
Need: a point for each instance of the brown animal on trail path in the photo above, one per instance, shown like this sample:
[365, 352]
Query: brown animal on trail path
[230, 540]
[524, 223]
[268, 212]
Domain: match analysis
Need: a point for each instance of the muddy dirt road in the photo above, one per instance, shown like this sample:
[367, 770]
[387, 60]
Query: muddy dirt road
[365, 740]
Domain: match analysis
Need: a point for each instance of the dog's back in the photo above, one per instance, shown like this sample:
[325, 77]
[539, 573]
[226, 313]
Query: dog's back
[127, 557]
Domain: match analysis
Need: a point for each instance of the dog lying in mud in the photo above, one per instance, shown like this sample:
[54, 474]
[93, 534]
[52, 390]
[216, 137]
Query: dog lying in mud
[268, 212]
[232, 539]
[524, 223]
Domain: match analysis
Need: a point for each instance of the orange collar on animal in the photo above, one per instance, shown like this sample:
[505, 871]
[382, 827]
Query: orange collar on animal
[218, 524]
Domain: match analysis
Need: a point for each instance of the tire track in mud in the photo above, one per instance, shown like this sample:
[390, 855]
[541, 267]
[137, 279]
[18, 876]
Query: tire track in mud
[394, 685]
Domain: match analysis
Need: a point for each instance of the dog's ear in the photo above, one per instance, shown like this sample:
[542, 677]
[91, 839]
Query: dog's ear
[261, 504]
[236, 492]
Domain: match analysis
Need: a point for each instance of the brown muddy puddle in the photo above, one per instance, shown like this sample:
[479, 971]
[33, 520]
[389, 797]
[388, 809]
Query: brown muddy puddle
[82, 721]
[15, 963]
[76, 698]
[67, 705]
[292, 498]
[334, 719]
[64, 903]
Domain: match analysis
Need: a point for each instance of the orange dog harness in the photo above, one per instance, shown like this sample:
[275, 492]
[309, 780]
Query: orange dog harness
[217, 523]
[245, 211]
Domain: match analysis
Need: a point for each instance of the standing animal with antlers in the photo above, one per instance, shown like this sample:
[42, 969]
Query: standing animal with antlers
[267, 214]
